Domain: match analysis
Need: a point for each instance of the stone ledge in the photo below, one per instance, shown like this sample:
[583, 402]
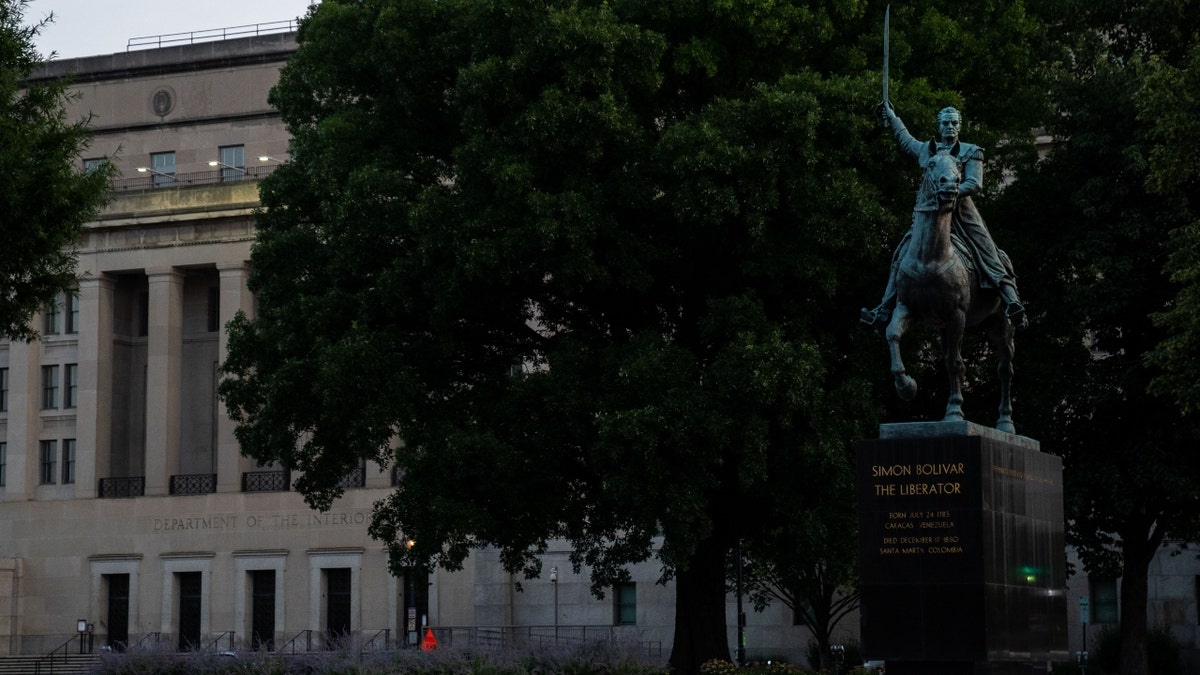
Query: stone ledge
[963, 428]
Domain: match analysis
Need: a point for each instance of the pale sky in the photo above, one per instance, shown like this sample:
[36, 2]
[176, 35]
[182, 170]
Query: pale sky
[93, 27]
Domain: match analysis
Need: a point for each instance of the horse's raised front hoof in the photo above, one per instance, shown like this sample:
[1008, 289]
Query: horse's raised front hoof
[906, 387]
[1006, 425]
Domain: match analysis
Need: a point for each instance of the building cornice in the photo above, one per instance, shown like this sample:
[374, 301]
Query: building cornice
[234, 53]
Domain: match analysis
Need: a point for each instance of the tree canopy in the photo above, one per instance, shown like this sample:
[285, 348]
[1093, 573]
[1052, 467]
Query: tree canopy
[45, 197]
[1097, 215]
[591, 270]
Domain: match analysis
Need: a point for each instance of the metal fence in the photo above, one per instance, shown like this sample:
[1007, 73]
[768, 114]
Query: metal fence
[161, 181]
[113, 488]
[210, 35]
[194, 484]
[266, 481]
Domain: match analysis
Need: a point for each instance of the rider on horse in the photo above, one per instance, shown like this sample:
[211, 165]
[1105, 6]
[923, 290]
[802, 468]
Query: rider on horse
[993, 268]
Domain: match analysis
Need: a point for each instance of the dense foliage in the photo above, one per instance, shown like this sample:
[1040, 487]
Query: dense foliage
[1098, 217]
[45, 197]
[591, 270]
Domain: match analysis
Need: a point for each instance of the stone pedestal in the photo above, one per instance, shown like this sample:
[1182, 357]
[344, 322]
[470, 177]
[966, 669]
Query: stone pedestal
[961, 551]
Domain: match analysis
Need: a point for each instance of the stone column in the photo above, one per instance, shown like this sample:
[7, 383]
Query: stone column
[164, 377]
[10, 605]
[93, 418]
[234, 296]
[24, 425]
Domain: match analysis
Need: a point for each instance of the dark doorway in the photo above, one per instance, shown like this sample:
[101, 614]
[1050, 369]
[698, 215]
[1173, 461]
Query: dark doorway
[190, 589]
[337, 608]
[118, 611]
[262, 610]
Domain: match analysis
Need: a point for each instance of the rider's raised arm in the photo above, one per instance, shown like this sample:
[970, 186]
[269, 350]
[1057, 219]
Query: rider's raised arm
[909, 144]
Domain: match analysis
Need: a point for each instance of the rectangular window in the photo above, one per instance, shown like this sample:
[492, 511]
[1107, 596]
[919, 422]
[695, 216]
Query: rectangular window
[68, 461]
[71, 313]
[49, 387]
[3, 389]
[1105, 608]
[51, 318]
[625, 604]
[233, 162]
[162, 165]
[3, 464]
[70, 385]
[94, 164]
[49, 461]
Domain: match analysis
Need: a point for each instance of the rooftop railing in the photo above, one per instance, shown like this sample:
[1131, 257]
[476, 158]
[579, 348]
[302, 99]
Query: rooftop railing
[210, 35]
[151, 181]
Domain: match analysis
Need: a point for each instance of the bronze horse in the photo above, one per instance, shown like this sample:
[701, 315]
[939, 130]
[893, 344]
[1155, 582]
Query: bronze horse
[935, 286]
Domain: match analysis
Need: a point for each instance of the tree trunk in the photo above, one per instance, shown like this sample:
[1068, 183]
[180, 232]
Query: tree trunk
[821, 631]
[700, 633]
[1134, 595]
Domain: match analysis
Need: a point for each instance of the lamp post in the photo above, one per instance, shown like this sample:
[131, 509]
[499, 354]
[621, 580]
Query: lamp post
[1084, 613]
[410, 599]
[554, 582]
[740, 653]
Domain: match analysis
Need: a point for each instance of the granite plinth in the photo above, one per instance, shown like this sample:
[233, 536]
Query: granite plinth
[962, 550]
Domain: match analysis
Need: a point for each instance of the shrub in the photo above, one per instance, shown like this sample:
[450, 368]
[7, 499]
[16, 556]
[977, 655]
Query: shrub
[601, 658]
[718, 667]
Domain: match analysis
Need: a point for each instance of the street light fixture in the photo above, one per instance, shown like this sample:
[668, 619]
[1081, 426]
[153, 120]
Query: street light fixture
[227, 166]
[268, 158]
[554, 580]
[168, 176]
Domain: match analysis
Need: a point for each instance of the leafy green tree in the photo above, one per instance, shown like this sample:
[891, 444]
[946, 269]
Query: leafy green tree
[809, 564]
[45, 196]
[1087, 215]
[590, 270]
[1172, 115]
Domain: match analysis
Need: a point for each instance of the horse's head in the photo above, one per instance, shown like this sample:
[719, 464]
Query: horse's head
[942, 176]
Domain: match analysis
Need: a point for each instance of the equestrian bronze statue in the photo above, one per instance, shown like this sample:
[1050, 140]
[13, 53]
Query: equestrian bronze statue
[947, 272]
